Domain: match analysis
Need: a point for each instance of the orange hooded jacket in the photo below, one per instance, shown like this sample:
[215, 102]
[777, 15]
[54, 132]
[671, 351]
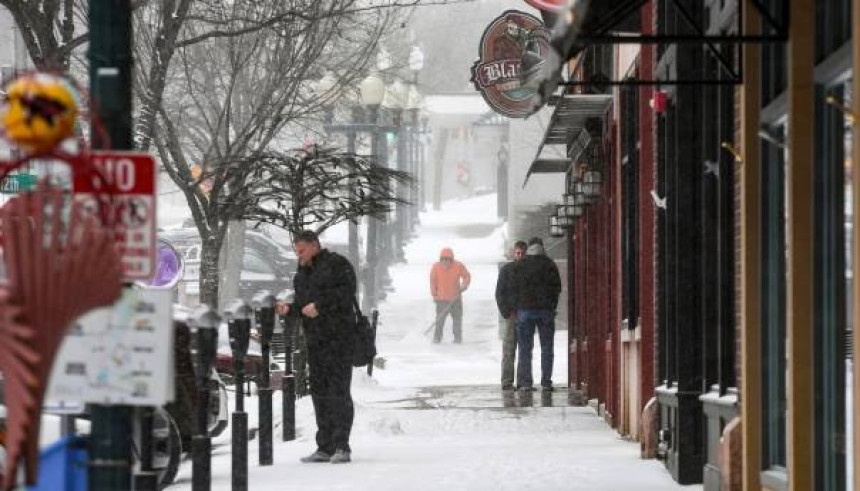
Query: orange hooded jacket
[445, 279]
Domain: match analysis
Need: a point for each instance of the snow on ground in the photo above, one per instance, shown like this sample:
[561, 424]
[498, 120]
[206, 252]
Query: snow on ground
[434, 417]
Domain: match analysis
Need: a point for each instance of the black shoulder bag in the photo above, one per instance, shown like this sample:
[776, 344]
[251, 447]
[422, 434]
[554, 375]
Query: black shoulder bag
[365, 338]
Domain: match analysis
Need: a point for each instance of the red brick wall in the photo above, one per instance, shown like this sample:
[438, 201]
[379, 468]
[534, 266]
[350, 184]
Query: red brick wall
[614, 298]
[647, 221]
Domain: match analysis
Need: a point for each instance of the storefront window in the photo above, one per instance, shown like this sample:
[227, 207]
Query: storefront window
[849, 280]
[849, 214]
[774, 254]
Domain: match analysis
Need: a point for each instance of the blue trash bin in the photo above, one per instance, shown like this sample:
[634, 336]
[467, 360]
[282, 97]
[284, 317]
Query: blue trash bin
[63, 466]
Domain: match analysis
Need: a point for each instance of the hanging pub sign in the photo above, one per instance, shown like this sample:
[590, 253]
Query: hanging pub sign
[514, 49]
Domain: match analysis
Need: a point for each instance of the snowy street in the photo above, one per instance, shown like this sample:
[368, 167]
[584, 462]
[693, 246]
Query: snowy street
[435, 417]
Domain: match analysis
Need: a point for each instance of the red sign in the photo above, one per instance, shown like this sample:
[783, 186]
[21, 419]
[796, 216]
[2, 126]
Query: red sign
[512, 55]
[132, 176]
[554, 6]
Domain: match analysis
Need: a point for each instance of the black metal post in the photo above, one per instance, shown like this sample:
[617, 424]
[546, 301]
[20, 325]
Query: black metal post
[353, 226]
[239, 316]
[374, 319]
[288, 382]
[110, 59]
[400, 221]
[145, 479]
[384, 232]
[204, 325]
[264, 308]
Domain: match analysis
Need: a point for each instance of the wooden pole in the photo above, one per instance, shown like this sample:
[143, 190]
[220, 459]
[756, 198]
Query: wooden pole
[749, 178]
[800, 167]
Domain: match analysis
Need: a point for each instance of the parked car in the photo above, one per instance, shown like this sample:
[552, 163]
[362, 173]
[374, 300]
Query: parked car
[266, 264]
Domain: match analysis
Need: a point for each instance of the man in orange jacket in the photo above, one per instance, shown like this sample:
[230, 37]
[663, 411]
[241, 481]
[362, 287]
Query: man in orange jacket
[448, 280]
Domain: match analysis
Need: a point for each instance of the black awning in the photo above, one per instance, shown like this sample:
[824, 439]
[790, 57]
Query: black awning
[567, 127]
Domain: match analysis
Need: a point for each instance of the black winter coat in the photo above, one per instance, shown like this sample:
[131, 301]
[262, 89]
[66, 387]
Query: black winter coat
[505, 290]
[329, 283]
[538, 283]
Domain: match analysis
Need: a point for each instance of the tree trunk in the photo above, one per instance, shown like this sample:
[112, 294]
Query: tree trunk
[230, 270]
[209, 255]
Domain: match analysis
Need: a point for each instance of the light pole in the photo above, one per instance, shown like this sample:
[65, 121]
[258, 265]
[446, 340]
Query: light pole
[396, 100]
[416, 64]
[372, 92]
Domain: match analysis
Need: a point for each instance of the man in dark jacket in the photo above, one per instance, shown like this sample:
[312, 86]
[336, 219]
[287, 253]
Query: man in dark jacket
[324, 290]
[538, 285]
[505, 300]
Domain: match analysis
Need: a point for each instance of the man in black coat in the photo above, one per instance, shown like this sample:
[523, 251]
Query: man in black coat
[506, 301]
[538, 286]
[324, 287]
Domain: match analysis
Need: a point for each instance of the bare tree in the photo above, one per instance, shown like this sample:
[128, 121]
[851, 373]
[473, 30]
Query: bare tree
[48, 30]
[231, 97]
[313, 188]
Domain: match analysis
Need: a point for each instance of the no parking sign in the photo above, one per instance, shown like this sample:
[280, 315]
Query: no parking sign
[132, 209]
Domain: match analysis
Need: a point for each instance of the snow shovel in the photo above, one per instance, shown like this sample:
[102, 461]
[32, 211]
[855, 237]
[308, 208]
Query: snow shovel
[442, 314]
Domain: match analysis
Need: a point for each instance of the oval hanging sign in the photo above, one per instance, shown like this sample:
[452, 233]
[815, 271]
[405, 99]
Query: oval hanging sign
[554, 6]
[513, 51]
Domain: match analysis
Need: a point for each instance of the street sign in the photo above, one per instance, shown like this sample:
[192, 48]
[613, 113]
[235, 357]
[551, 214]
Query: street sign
[118, 355]
[15, 183]
[133, 178]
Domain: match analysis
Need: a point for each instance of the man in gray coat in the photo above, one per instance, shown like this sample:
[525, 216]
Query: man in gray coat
[506, 301]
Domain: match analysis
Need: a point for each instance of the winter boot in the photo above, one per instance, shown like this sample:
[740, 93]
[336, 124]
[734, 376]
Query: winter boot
[318, 456]
[340, 457]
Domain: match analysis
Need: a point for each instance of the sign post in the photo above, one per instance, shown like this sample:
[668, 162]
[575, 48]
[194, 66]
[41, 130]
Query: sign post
[110, 57]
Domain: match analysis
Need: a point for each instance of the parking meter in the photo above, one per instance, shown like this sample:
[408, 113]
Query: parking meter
[239, 314]
[204, 330]
[264, 309]
[264, 315]
[287, 296]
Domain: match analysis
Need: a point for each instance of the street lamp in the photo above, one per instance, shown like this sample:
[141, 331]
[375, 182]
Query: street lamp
[555, 230]
[372, 91]
[416, 61]
[396, 97]
[591, 184]
[570, 207]
[383, 59]
[325, 86]
[324, 91]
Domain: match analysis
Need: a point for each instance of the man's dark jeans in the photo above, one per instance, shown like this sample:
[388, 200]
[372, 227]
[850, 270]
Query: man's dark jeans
[455, 308]
[331, 378]
[527, 322]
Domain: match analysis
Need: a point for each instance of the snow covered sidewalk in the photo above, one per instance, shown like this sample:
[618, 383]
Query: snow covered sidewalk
[434, 417]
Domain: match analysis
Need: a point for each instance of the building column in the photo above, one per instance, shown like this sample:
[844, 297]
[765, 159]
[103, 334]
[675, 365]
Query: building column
[749, 177]
[800, 178]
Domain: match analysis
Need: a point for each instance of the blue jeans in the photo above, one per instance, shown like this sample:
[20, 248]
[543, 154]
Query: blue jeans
[527, 321]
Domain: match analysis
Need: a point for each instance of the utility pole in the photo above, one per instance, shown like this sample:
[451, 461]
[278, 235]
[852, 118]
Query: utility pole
[110, 81]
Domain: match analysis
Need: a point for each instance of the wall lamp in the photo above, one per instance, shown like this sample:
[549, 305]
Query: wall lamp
[729, 148]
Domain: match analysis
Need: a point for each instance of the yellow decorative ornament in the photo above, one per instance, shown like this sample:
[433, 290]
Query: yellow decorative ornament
[39, 112]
